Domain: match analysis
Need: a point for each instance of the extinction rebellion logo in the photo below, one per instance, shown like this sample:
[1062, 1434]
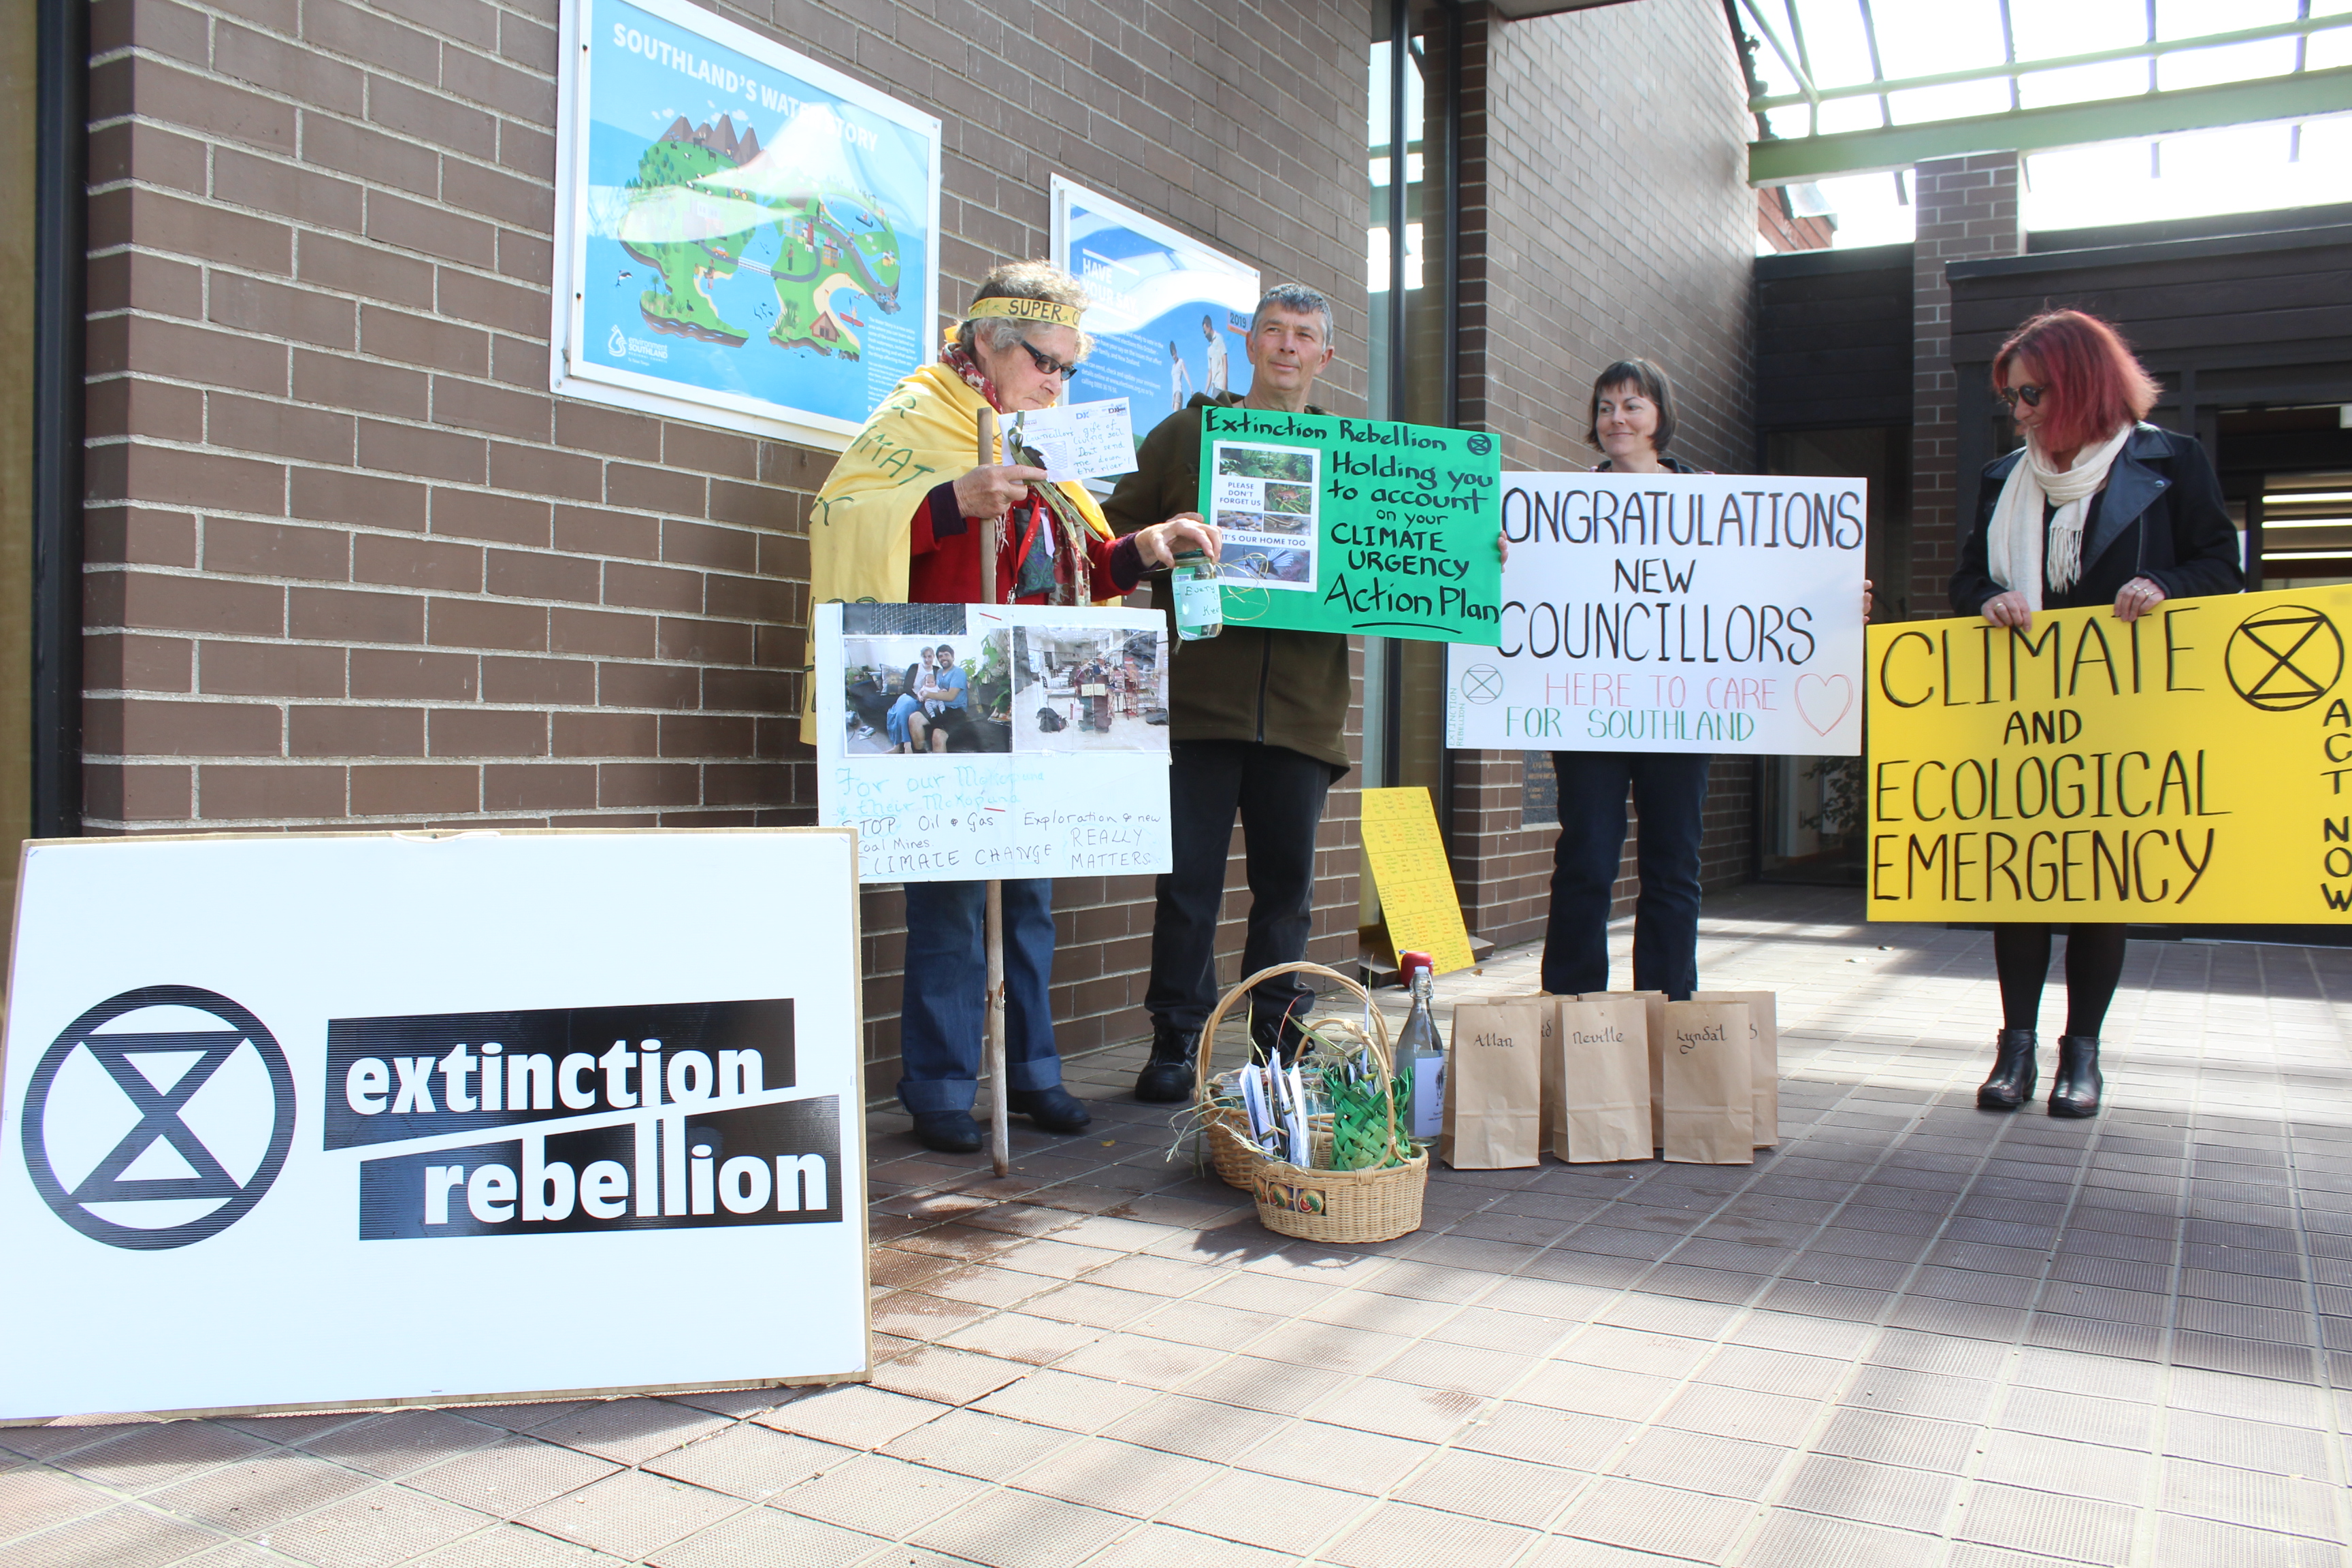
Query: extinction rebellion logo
[159, 1117]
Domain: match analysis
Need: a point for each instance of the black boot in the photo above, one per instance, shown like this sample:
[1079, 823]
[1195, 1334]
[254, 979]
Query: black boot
[1170, 1075]
[2013, 1072]
[1055, 1110]
[1276, 1035]
[948, 1132]
[2075, 1090]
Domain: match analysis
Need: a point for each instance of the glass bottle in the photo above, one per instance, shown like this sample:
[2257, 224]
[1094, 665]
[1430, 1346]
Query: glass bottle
[1421, 1052]
[1199, 597]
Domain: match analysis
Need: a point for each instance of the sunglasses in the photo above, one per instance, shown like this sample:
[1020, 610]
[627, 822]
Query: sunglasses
[2030, 395]
[1048, 366]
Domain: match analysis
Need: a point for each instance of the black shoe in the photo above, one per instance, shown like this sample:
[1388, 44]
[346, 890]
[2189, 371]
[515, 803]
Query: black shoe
[1055, 1110]
[1276, 1035]
[2013, 1072]
[1172, 1074]
[2075, 1092]
[948, 1132]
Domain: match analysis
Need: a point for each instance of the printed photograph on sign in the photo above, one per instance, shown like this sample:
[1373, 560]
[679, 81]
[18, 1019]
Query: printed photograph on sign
[1264, 499]
[1089, 689]
[746, 231]
[918, 696]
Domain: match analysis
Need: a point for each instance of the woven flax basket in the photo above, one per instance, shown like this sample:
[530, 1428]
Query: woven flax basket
[1315, 1204]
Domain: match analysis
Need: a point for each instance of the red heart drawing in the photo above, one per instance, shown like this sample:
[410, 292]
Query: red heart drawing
[1816, 693]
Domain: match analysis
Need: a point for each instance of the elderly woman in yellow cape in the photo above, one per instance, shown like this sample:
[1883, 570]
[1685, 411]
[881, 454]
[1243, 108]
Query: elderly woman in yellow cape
[902, 519]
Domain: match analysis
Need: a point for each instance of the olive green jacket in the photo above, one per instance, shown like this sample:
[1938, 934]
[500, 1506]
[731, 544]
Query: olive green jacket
[1281, 688]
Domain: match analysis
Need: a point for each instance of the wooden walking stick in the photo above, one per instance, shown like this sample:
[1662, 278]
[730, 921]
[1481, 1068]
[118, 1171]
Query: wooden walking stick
[992, 1048]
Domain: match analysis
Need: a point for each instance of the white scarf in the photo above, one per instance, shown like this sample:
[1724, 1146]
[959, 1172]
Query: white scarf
[2014, 542]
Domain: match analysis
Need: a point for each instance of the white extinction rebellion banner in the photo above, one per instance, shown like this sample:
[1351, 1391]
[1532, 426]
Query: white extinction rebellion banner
[371, 1118]
[1671, 613]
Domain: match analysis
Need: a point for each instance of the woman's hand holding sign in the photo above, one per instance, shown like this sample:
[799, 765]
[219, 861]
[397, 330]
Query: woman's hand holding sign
[992, 490]
[1160, 543]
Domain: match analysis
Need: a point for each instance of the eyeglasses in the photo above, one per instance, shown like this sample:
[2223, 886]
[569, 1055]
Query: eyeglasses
[1048, 366]
[2032, 396]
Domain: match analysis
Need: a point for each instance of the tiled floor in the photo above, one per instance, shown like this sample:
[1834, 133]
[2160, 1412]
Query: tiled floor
[1916, 1335]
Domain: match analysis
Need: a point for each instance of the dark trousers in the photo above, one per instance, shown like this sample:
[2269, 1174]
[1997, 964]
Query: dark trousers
[945, 995]
[1279, 795]
[1670, 792]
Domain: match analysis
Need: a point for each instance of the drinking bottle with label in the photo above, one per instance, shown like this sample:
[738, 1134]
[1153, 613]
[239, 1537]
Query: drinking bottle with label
[1421, 1052]
[1199, 598]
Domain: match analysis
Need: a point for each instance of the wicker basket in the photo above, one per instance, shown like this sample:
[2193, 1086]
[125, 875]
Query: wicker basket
[1315, 1205]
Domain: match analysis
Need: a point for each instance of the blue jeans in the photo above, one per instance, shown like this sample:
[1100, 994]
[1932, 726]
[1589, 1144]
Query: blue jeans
[945, 996]
[897, 722]
[1670, 794]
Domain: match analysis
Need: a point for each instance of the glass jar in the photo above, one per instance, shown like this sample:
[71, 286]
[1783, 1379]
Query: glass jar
[1199, 597]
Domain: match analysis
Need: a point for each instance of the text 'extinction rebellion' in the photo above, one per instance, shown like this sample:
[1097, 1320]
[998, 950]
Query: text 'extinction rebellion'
[621, 1118]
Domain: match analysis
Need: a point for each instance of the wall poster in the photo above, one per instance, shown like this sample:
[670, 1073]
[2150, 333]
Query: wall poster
[398, 1118]
[1170, 316]
[972, 742]
[744, 238]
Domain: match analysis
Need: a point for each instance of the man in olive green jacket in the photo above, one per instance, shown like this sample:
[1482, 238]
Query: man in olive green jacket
[1254, 723]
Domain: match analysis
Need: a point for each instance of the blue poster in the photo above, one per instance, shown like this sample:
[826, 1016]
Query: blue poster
[1171, 317]
[752, 232]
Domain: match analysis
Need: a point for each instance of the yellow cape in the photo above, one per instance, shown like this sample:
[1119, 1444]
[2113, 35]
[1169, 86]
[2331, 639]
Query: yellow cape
[926, 433]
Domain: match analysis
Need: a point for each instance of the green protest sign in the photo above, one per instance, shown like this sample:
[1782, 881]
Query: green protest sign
[1355, 525]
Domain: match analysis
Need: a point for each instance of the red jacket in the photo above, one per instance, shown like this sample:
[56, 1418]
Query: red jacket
[944, 564]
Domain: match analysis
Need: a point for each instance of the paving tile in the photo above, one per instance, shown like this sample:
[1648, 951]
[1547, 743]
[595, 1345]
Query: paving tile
[1595, 1391]
[751, 1462]
[1925, 1394]
[1898, 1440]
[1165, 1546]
[1722, 1466]
[1018, 1337]
[1065, 1400]
[106, 1536]
[2044, 1522]
[1742, 1413]
[948, 1376]
[2187, 1543]
[1489, 1487]
[766, 1538]
[1117, 1478]
[1342, 1456]
[2056, 1464]
[510, 1478]
[1020, 1530]
[254, 1495]
[1196, 1427]
[2247, 1445]
[389, 1524]
[1330, 1346]
[1272, 1511]
[147, 1457]
[1153, 1364]
[879, 1495]
[2078, 1417]
[1662, 1520]
[628, 1431]
[1408, 1537]
[2233, 1496]
[630, 1514]
[1885, 1495]
[1790, 1538]
[852, 1415]
[1399, 1409]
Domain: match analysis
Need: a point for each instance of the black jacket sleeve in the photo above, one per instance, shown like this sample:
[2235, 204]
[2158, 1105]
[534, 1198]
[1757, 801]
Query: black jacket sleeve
[2205, 550]
[1973, 582]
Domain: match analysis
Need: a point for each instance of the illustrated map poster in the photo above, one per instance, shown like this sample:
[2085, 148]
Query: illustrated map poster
[1354, 525]
[745, 234]
[1169, 316]
[967, 743]
[2189, 766]
[1671, 613]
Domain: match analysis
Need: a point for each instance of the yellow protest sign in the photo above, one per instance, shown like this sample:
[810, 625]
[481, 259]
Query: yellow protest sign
[1415, 881]
[2188, 767]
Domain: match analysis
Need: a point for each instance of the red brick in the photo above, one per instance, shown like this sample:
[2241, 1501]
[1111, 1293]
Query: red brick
[747, 784]
[705, 736]
[696, 544]
[333, 381]
[553, 681]
[177, 97]
[148, 154]
[648, 783]
[425, 787]
[118, 791]
[751, 691]
[539, 786]
[122, 405]
[470, 297]
[606, 735]
[281, 429]
[155, 284]
[475, 623]
[183, 352]
[370, 154]
[709, 451]
[288, 71]
[273, 309]
[396, 674]
[587, 531]
[181, 478]
[703, 642]
[652, 587]
[647, 685]
[753, 506]
[137, 537]
[444, 236]
[147, 601]
[510, 519]
[469, 21]
[417, 563]
[355, 732]
[520, 574]
[193, 229]
[364, 34]
[227, 792]
[134, 727]
[654, 490]
[534, 470]
[157, 27]
[341, 614]
[427, 454]
[527, 43]
[488, 733]
[504, 197]
[785, 555]
[239, 547]
[387, 333]
[369, 271]
[269, 669]
[753, 599]
[126, 661]
[477, 406]
[610, 432]
[432, 118]
[287, 190]
[599, 632]
[528, 258]
[327, 495]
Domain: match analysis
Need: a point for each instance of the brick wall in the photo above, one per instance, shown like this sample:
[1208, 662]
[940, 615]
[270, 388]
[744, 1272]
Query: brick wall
[1605, 214]
[350, 563]
[1967, 210]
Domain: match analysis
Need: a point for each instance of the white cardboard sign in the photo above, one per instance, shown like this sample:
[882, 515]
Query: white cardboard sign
[972, 742]
[1672, 612]
[381, 1117]
[1081, 440]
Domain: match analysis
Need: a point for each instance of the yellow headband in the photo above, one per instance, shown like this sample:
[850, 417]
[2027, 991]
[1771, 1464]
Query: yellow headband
[1044, 310]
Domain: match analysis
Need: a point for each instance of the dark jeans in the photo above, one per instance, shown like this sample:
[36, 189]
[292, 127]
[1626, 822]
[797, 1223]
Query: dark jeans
[1279, 794]
[945, 996]
[1670, 794]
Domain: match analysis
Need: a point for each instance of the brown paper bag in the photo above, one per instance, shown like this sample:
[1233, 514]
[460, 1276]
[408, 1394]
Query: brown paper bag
[1710, 1111]
[1599, 1054]
[1548, 1056]
[1763, 1056]
[1652, 1026]
[1494, 1087]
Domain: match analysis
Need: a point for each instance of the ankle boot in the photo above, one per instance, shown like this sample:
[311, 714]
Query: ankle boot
[2013, 1072]
[2075, 1090]
[1170, 1076]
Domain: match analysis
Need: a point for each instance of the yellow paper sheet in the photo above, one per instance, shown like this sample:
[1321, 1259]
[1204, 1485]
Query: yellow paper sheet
[1408, 864]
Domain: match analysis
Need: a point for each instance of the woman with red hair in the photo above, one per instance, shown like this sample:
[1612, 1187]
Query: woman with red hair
[2097, 507]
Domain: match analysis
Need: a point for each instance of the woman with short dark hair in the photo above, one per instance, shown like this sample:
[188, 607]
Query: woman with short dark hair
[2097, 507]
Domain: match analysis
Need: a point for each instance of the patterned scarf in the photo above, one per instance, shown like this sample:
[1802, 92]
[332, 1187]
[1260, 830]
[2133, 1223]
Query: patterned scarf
[1031, 528]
